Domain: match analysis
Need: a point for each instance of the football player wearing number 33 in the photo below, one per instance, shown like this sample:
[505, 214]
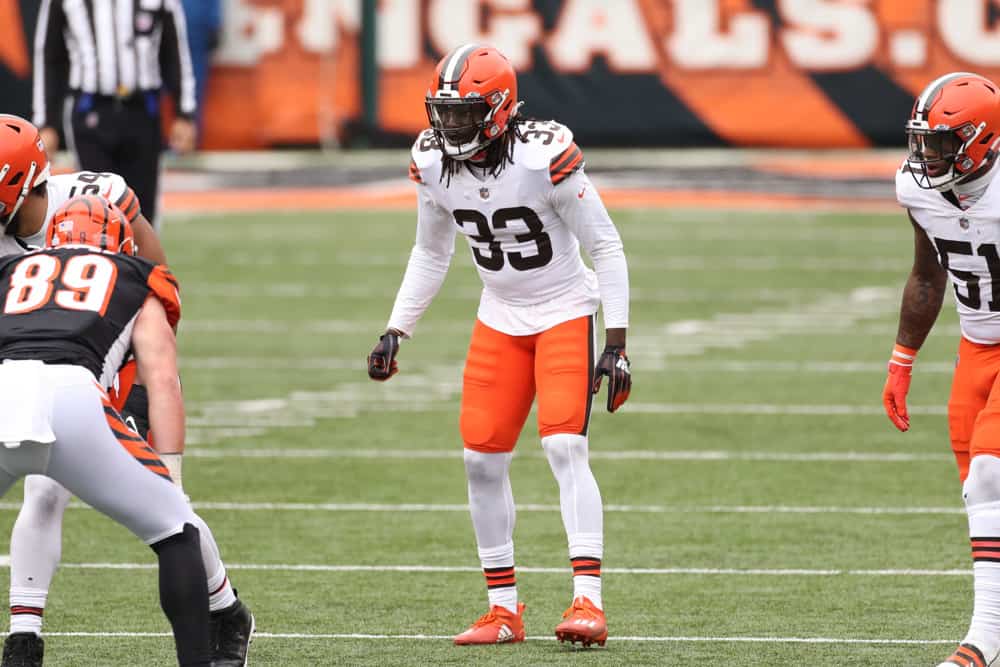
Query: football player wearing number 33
[950, 186]
[517, 191]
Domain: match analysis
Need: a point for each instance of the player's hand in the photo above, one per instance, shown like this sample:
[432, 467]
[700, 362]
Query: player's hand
[897, 385]
[615, 365]
[382, 361]
[182, 135]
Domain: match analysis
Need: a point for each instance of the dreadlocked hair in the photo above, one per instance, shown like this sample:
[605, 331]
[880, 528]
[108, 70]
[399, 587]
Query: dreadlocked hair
[499, 153]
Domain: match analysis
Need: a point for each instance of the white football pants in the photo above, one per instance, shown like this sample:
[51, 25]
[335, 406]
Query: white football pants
[56, 414]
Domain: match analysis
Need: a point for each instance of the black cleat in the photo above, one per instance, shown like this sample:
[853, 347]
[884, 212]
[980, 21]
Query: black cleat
[232, 632]
[23, 649]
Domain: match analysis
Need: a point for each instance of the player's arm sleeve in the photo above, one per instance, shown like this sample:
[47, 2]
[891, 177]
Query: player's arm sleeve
[428, 264]
[164, 286]
[128, 202]
[51, 75]
[577, 202]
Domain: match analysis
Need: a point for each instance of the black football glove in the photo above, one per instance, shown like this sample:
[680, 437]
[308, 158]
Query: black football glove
[382, 361]
[615, 365]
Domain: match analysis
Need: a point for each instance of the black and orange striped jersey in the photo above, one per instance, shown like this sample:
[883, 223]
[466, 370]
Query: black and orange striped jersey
[77, 305]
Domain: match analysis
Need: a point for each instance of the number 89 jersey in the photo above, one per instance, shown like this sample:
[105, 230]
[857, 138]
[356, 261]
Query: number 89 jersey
[77, 305]
[968, 248]
[525, 252]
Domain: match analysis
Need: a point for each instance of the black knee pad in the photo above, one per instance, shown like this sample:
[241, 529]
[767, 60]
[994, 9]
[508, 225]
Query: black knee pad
[189, 535]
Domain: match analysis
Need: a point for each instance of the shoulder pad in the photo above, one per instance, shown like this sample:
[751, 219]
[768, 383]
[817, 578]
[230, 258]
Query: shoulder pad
[425, 157]
[108, 185]
[911, 195]
[543, 141]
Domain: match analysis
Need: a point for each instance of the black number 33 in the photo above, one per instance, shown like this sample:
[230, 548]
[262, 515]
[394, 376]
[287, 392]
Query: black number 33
[493, 258]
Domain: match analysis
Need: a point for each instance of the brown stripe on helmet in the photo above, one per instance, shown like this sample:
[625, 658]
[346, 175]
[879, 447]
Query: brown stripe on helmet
[455, 62]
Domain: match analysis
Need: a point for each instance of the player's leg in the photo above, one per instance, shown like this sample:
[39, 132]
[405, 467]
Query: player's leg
[21, 648]
[35, 550]
[87, 454]
[89, 125]
[978, 365]
[232, 623]
[564, 367]
[497, 391]
[139, 158]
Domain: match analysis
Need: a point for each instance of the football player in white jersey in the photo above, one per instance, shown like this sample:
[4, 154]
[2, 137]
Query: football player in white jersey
[29, 196]
[950, 186]
[517, 191]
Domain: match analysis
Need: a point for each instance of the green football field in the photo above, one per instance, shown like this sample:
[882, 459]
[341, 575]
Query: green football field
[760, 508]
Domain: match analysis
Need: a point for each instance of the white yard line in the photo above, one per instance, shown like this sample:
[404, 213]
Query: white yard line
[445, 569]
[846, 313]
[470, 294]
[612, 639]
[334, 507]
[595, 454]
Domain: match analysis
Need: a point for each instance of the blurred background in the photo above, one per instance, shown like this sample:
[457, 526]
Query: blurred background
[344, 75]
[760, 508]
[785, 73]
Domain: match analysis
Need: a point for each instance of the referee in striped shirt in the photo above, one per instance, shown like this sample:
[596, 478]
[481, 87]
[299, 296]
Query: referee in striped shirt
[100, 67]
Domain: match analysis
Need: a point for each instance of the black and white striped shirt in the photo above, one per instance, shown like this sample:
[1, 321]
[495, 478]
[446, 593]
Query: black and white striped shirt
[115, 48]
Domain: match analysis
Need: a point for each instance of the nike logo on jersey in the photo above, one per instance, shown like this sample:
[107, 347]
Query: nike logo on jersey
[583, 191]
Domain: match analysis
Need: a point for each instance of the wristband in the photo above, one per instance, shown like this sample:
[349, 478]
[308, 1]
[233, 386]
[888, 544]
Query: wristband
[902, 355]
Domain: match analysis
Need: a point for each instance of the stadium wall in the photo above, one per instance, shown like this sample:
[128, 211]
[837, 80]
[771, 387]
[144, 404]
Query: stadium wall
[797, 73]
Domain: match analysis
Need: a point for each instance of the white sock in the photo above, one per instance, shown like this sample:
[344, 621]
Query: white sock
[491, 504]
[26, 608]
[582, 510]
[984, 529]
[220, 591]
[982, 498]
[35, 550]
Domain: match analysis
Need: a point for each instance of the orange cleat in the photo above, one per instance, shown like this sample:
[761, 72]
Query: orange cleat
[584, 623]
[497, 626]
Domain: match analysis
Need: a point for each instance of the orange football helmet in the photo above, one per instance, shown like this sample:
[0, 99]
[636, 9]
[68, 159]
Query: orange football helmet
[471, 99]
[91, 220]
[23, 164]
[954, 129]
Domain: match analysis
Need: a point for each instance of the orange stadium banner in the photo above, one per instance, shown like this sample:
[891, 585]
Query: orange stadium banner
[802, 73]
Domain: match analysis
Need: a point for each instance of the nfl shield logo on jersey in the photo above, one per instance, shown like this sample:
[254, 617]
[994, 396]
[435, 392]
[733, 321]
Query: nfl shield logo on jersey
[484, 193]
[963, 222]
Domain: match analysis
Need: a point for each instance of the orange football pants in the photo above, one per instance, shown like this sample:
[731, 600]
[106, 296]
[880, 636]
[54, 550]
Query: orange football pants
[974, 405]
[503, 373]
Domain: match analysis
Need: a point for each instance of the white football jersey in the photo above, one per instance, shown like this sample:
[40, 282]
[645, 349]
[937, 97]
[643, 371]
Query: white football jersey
[968, 248]
[525, 242]
[63, 187]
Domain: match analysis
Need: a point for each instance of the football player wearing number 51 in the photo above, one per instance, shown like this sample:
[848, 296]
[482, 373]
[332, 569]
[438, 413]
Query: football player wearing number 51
[516, 189]
[950, 187]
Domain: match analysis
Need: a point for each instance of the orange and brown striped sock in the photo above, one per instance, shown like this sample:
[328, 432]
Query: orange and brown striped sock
[501, 587]
[587, 579]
